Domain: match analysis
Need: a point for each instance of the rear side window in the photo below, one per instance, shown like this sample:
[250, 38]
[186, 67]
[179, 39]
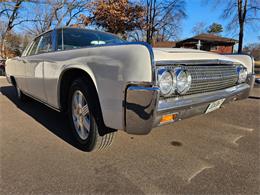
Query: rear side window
[45, 44]
[34, 46]
[27, 49]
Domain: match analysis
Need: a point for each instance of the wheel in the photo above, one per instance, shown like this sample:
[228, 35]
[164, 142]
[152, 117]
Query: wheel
[83, 122]
[20, 95]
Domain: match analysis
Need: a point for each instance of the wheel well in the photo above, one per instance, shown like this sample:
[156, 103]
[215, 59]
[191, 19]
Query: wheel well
[67, 78]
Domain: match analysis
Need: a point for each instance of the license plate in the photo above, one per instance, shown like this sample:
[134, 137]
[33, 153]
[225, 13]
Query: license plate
[214, 105]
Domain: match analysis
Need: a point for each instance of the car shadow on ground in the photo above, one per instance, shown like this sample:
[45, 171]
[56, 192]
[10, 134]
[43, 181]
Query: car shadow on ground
[57, 123]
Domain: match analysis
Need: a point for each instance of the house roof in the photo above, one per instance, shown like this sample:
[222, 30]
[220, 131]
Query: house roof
[209, 38]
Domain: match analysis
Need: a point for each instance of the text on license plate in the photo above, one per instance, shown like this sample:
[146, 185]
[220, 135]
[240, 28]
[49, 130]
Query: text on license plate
[214, 105]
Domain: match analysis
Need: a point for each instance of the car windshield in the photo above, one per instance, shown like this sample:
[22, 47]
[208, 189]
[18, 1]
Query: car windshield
[78, 38]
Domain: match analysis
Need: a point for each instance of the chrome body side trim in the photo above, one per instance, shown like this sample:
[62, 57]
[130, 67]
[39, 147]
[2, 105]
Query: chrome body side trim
[43, 102]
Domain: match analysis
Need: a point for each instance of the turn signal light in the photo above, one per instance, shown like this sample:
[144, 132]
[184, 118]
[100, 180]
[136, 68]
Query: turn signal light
[168, 118]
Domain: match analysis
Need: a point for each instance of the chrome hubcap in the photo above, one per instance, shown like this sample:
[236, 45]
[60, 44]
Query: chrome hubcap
[80, 114]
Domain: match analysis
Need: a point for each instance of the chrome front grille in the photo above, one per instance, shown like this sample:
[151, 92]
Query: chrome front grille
[207, 78]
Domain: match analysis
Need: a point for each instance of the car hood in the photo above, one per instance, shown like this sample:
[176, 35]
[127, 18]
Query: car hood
[180, 54]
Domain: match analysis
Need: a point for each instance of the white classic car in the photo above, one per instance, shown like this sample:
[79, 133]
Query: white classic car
[104, 83]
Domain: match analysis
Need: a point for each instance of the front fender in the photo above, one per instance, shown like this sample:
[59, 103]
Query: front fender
[112, 69]
[246, 60]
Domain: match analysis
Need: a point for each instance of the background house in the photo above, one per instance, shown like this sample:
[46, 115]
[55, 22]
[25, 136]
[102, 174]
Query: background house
[168, 44]
[209, 42]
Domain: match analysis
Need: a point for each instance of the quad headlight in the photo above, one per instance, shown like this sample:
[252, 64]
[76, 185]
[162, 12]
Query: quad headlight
[242, 74]
[177, 80]
[183, 80]
[166, 82]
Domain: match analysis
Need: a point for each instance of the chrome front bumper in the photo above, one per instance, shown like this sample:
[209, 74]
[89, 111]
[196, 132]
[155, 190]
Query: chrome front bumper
[144, 109]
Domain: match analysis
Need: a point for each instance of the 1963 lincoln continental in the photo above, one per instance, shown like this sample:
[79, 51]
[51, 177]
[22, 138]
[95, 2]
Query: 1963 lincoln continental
[104, 83]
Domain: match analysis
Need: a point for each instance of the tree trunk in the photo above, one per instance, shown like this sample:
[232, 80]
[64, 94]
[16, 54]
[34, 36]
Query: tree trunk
[148, 39]
[240, 42]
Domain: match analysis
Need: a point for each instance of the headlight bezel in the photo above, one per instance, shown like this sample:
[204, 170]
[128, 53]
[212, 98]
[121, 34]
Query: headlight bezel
[242, 74]
[181, 90]
[175, 72]
[162, 73]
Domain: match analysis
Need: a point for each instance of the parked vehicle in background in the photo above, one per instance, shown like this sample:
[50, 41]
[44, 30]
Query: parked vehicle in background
[106, 84]
[2, 66]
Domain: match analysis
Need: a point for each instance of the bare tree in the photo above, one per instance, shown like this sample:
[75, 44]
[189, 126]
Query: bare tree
[37, 16]
[67, 10]
[199, 28]
[253, 49]
[163, 18]
[55, 13]
[44, 18]
[241, 13]
[136, 35]
[10, 11]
